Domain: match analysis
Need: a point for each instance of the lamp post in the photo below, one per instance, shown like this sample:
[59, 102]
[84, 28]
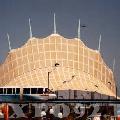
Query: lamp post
[48, 80]
[110, 87]
[93, 93]
[97, 88]
[69, 90]
[56, 65]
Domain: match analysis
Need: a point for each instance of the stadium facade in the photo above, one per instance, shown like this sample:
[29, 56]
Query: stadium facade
[70, 64]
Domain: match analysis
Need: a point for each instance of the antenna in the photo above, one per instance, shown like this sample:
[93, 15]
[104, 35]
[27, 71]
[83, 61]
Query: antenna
[8, 37]
[99, 43]
[30, 28]
[79, 29]
[113, 65]
[54, 24]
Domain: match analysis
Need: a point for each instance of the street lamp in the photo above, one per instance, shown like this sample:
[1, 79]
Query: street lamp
[110, 87]
[49, 79]
[93, 93]
[56, 65]
[66, 81]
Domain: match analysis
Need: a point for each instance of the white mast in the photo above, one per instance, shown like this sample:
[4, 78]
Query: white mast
[99, 46]
[113, 65]
[8, 37]
[30, 29]
[79, 29]
[54, 24]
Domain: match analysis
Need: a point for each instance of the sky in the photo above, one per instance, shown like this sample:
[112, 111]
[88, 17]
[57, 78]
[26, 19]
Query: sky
[99, 16]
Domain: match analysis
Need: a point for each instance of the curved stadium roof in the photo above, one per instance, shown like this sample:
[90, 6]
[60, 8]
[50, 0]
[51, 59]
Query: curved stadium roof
[80, 68]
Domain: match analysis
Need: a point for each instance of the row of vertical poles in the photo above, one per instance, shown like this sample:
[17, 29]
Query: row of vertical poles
[92, 94]
[69, 94]
[75, 94]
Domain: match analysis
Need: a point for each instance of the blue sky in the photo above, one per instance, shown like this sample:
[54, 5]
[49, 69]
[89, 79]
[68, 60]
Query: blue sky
[100, 17]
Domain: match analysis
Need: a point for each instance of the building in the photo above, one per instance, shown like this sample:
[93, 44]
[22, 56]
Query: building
[64, 63]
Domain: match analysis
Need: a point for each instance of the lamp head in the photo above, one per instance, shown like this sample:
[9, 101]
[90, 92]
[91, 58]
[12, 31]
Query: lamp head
[73, 76]
[57, 64]
[96, 86]
[109, 83]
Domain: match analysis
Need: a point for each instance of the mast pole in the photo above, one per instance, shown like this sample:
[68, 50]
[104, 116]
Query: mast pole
[79, 29]
[30, 28]
[99, 46]
[8, 37]
[54, 24]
